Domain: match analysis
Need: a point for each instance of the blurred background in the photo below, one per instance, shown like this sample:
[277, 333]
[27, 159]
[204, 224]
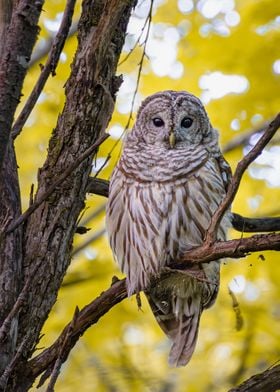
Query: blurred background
[227, 53]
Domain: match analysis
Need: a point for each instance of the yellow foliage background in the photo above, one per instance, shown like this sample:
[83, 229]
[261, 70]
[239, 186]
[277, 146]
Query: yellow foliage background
[126, 350]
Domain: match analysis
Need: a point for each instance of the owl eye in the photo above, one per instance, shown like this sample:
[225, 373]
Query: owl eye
[186, 122]
[158, 122]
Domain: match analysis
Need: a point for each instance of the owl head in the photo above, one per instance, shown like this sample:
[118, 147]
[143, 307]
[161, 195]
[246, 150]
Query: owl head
[172, 119]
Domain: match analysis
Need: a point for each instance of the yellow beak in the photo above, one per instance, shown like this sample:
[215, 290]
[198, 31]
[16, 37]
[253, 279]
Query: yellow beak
[172, 139]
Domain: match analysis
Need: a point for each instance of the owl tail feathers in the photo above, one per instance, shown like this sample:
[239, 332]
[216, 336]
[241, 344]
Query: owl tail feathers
[184, 342]
[179, 319]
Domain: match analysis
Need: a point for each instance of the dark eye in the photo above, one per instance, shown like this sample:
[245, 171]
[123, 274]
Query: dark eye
[186, 122]
[158, 122]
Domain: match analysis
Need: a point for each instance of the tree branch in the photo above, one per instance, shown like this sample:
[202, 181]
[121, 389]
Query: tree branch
[255, 225]
[14, 62]
[269, 380]
[235, 181]
[50, 66]
[56, 183]
[98, 186]
[234, 249]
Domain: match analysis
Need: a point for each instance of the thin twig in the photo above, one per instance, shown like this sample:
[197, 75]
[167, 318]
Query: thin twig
[234, 185]
[149, 18]
[140, 67]
[100, 209]
[56, 183]
[136, 43]
[48, 69]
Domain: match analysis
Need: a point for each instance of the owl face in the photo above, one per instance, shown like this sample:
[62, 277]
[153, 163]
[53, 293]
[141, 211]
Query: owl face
[172, 118]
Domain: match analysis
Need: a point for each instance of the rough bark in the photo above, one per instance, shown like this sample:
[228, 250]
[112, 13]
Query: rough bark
[21, 34]
[10, 255]
[49, 230]
[18, 31]
[6, 9]
[268, 381]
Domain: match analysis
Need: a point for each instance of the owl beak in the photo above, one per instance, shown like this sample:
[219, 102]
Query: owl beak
[172, 139]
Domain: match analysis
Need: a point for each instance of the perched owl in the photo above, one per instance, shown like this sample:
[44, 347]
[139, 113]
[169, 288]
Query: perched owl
[169, 181]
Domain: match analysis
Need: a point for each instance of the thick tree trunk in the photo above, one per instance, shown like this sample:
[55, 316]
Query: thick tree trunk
[48, 232]
[18, 32]
[10, 256]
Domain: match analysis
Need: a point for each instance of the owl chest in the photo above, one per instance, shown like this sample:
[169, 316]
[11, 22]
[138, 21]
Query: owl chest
[166, 218]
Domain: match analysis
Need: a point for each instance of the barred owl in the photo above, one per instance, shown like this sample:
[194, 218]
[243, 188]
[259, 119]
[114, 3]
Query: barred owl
[169, 181]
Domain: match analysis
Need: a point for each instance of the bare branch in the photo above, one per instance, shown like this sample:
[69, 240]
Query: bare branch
[269, 380]
[234, 249]
[149, 19]
[255, 225]
[139, 73]
[98, 186]
[234, 184]
[137, 41]
[56, 183]
[48, 69]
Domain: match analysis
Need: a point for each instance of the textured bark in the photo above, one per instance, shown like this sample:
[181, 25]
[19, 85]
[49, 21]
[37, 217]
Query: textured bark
[10, 255]
[49, 230]
[18, 32]
[20, 37]
[6, 8]
[268, 381]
